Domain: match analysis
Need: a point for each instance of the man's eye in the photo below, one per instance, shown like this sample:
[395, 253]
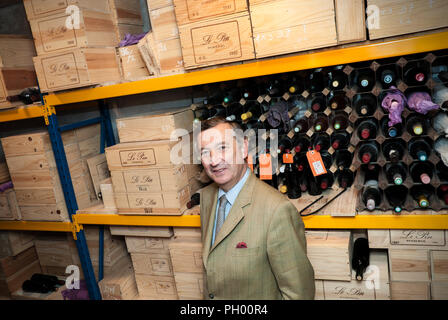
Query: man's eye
[223, 147]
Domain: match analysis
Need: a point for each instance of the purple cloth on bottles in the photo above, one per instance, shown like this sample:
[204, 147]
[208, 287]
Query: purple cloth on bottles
[395, 109]
[5, 186]
[421, 102]
[77, 294]
[130, 39]
[277, 114]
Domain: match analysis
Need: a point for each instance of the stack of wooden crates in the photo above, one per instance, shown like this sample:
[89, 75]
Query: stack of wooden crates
[161, 48]
[35, 176]
[16, 67]
[75, 42]
[144, 178]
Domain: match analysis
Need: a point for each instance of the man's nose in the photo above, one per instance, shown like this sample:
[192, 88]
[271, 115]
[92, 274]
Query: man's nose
[215, 158]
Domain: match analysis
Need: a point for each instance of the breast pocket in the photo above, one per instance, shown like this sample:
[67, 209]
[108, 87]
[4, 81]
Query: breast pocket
[245, 252]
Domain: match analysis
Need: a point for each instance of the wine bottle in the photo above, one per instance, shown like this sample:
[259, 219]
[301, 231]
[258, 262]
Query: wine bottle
[194, 200]
[318, 103]
[416, 125]
[317, 80]
[442, 171]
[367, 129]
[416, 73]
[216, 98]
[364, 79]
[371, 195]
[371, 172]
[396, 196]
[301, 126]
[51, 280]
[338, 100]
[343, 159]
[218, 111]
[393, 149]
[360, 258]
[250, 93]
[291, 174]
[345, 178]
[296, 86]
[422, 172]
[234, 112]
[27, 96]
[321, 142]
[325, 181]
[303, 181]
[274, 88]
[419, 149]
[202, 114]
[340, 140]
[337, 79]
[233, 95]
[320, 123]
[442, 193]
[340, 122]
[396, 173]
[285, 145]
[301, 161]
[422, 194]
[37, 287]
[393, 131]
[365, 104]
[253, 111]
[368, 152]
[301, 143]
[327, 159]
[388, 75]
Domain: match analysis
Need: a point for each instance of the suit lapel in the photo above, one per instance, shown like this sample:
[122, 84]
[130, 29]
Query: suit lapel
[209, 208]
[235, 215]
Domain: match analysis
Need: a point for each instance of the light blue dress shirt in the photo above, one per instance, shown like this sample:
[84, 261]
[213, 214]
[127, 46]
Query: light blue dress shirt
[231, 197]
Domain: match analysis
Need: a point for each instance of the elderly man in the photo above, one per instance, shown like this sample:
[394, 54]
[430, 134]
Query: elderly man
[253, 238]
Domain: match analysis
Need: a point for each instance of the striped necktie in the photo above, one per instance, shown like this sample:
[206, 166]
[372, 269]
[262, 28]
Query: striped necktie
[221, 213]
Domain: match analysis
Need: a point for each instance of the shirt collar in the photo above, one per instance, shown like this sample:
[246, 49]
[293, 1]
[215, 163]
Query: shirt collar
[233, 193]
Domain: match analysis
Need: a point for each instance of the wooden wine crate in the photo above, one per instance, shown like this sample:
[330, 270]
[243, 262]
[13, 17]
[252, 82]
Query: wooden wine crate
[220, 40]
[162, 203]
[439, 265]
[409, 265]
[14, 270]
[148, 244]
[126, 12]
[142, 233]
[187, 232]
[163, 23]
[152, 180]
[16, 67]
[9, 208]
[319, 290]
[156, 287]
[154, 127]
[77, 68]
[147, 154]
[194, 11]
[119, 284]
[329, 254]
[44, 8]
[4, 173]
[391, 18]
[162, 57]
[350, 20]
[98, 170]
[123, 29]
[186, 255]
[53, 34]
[107, 194]
[14, 242]
[401, 290]
[154, 264]
[439, 290]
[132, 63]
[285, 26]
[157, 4]
[408, 239]
[190, 286]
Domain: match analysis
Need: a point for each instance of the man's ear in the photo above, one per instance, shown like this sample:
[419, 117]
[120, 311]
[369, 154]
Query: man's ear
[245, 146]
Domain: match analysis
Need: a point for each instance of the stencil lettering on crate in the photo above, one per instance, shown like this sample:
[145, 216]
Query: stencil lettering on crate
[417, 237]
[60, 70]
[145, 202]
[55, 34]
[342, 291]
[215, 42]
[165, 287]
[144, 182]
[154, 243]
[137, 157]
[198, 9]
[44, 6]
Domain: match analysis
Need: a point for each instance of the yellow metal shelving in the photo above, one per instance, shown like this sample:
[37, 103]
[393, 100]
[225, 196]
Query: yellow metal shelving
[36, 226]
[21, 113]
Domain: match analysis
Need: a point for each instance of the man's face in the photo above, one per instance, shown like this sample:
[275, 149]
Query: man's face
[221, 155]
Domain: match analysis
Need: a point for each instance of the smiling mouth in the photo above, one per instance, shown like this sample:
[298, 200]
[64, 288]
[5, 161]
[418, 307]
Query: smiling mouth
[218, 171]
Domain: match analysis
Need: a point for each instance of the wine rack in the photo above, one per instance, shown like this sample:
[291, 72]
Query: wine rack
[331, 107]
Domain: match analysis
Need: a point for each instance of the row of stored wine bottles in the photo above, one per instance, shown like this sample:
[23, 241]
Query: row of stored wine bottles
[361, 77]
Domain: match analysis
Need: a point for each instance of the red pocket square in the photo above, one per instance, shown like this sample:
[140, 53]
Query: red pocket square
[241, 245]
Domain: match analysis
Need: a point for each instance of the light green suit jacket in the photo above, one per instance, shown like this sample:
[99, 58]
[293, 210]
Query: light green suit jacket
[274, 265]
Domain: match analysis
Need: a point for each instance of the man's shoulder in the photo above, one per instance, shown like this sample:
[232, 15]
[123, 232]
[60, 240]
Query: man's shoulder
[267, 193]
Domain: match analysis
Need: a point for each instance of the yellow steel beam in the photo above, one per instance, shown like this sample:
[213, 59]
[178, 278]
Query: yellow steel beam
[366, 51]
[311, 222]
[36, 226]
[21, 113]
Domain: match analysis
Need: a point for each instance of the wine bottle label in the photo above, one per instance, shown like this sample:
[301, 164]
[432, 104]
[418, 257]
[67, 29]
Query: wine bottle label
[316, 164]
